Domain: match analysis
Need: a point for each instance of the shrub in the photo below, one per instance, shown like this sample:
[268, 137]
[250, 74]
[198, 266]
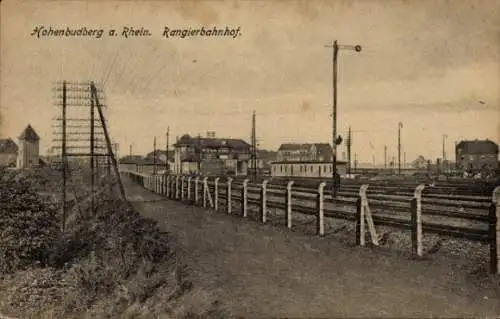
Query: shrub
[28, 224]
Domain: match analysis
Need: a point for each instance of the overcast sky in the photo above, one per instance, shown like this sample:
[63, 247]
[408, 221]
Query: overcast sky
[424, 63]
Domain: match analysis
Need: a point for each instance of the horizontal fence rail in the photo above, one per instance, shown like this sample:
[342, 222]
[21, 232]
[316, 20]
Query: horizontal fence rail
[421, 211]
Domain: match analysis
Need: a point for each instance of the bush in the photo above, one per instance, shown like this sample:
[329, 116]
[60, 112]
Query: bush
[112, 261]
[28, 224]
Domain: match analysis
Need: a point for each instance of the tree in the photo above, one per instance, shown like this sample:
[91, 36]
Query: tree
[419, 163]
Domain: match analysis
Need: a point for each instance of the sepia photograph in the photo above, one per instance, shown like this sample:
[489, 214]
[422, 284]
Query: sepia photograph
[249, 159]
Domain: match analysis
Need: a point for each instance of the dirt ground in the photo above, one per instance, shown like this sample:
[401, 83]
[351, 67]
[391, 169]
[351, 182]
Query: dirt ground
[260, 270]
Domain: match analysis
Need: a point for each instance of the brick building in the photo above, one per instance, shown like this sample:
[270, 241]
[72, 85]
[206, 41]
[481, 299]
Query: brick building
[8, 152]
[476, 155]
[210, 155]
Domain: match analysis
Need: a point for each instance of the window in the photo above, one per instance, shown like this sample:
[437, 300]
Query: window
[281, 168]
[301, 168]
[311, 168]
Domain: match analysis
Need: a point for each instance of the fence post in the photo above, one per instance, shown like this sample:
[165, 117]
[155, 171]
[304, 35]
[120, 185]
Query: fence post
[189, 189]
[320, 219]
[177, 187]
[172, 187]
[416, 221]
[263, 202]
[364, 213]
[359, 221]
[289, 204]
[205, 186]
[183, 178]
[244, 199]
[196, 193]
[167, 186]
[161, 184]
[494, 232]
[228, 195]
[216, 194]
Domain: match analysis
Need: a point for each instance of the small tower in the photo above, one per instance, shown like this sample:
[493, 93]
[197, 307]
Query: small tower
[29, 147]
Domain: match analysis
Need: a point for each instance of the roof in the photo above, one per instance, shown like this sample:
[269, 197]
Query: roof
[8, 146]
[215, 143]
[477, 147]
[324, 149]
[29, 134]
[308, 162]
[293, 147]
[266, 155]
[161, 153]
[131, 159]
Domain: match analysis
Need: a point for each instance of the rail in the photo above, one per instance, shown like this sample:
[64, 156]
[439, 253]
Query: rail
[419, 212]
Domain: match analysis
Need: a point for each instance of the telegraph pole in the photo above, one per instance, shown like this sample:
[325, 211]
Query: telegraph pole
[349, 144]
[336, 140]
[253, 155]
[199, 154]
[130, 150]
[444, 149]
[154, 155]
[355, 162]
[400, 126]
[385, 156]
[166, 148]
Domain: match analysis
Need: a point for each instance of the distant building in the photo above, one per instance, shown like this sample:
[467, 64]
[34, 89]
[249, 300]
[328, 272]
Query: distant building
[8, 152]
[306, 169]
[291, 152]
[476, 155]
[29, 148]
[210, 155]
[161, 156]
[141, 164]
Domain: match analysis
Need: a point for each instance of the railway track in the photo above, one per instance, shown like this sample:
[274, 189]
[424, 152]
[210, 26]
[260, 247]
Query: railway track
[463, 215]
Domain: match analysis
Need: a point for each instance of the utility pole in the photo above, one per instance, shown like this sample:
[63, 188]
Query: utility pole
[400, 126]
[199, 154]
[166, 148]
[349, 144]
[355, 162]
[385, 156]
[130, 150]
[253, 154]
[404, 160]
[336, 140]
[93, 164]
[154, 155]
[64, 157]
[444, 149]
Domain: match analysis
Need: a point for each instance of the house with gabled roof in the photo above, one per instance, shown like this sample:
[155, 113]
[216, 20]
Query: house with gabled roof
[474, 155]
[211, 155]
[8, 152]
[294, 152]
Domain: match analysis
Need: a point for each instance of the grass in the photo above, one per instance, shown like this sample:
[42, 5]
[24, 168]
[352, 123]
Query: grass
[113, 263]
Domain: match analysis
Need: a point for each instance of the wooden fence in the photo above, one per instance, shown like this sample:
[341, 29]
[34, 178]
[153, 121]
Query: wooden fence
[366, 210]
